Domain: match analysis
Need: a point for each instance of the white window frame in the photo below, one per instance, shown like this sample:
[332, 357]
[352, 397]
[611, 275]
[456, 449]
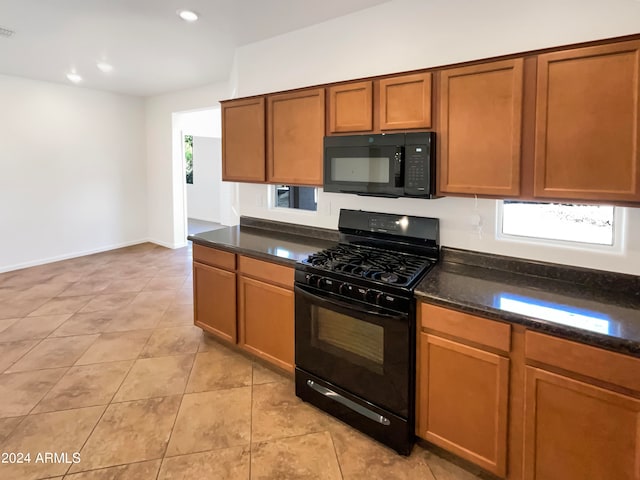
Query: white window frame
[272, 196]
[619, 235]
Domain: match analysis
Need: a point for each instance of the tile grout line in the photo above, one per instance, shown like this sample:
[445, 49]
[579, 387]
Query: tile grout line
[109, 466]
[335, 453]
[47, 392]
[175, 420]
[251, 421]
[103, 412]
[23, 355]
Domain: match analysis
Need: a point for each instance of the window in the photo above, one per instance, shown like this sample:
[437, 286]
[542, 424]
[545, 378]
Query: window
[188, 157]
[586, 224]
[302, 198]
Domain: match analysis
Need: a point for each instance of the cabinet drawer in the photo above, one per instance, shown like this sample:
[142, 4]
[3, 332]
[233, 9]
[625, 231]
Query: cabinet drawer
[267, 271]
[609, 367]
[213, 257]
[468, 327]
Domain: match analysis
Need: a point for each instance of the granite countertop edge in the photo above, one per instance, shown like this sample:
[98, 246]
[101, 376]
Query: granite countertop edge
[619, 345]
[307, 240]
[289, 262]
[430, 291]
[616, 344]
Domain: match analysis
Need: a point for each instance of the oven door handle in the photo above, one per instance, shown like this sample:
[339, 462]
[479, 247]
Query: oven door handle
[348, 306]
[336, 397]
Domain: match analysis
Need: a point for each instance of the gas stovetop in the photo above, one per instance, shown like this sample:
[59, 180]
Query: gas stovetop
[380, 265]
[380, 260]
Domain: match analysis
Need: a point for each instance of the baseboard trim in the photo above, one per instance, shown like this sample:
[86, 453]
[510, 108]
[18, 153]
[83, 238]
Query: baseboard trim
[67, 256]
[208, 220]
[168, 245]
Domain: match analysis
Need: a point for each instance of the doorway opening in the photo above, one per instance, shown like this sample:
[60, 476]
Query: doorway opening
[203, 201]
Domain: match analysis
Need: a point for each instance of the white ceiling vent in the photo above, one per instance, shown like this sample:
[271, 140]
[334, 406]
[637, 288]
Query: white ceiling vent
[5, 32]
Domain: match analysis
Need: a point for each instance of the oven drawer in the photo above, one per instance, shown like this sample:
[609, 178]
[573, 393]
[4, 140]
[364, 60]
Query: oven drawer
[474, 329]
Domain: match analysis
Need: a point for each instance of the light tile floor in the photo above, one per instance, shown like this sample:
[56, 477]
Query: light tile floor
[99, 356]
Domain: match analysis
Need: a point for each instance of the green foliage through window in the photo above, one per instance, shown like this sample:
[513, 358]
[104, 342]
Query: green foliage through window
[188, 156]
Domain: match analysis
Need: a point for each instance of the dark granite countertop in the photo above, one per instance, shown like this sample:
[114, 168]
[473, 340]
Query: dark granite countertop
[597, 308]
[588, 306]
[273, 241]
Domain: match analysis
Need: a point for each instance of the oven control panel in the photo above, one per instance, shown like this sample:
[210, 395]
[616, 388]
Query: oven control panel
[356, 292]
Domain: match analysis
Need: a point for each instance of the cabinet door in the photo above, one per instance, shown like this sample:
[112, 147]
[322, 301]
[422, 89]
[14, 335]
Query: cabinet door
[462, 401]
[243, 139]
[295, 137]
[351, 107]
[576, 431]
[214, 293]
[481, 114]
[266, 320]
[587, 123]
[405, 102]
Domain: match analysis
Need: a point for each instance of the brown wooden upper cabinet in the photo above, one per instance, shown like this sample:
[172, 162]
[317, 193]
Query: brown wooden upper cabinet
[480, 134]
[351, 107]
[295, 132]
[243, 140]
[587, 123]
[405, 102]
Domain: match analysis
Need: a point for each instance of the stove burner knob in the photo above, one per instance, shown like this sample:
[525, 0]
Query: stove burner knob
[312, 280]
[343, 289]
[374, 296]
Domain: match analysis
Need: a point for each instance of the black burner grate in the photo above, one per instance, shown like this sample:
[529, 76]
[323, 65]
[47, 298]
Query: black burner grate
[376, 264]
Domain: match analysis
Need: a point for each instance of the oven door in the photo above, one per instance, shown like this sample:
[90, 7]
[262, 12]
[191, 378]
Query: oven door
[371, 170]
[362, 349]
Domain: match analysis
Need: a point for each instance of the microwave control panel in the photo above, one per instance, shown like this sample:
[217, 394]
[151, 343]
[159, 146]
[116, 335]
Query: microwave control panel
[416, 170]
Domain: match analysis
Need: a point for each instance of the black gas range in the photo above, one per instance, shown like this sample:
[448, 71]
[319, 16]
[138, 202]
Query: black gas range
[356, 322]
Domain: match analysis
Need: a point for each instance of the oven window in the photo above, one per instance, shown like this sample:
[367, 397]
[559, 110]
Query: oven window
[360, 169]
[358, 342]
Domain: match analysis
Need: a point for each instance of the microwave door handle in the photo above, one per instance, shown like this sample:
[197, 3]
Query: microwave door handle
[349, 306]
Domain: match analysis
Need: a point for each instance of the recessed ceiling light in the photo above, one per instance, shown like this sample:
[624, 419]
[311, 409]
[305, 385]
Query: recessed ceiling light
[188, 15]
[104, 67]
[74, 77]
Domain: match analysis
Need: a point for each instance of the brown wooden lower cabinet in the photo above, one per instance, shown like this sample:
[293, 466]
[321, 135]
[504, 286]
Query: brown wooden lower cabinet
[463, 397]
[578, 431]
[266, 318]
[214, 292]
[253, 307]
[562, 410]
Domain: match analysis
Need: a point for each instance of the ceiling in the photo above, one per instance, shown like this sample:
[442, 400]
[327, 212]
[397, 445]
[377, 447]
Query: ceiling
[151, 49]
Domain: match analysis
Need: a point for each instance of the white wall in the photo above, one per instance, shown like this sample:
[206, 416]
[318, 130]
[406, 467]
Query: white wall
[411, 34]
[72, 172]
[203, 196]
[202, 123]
[164, 173]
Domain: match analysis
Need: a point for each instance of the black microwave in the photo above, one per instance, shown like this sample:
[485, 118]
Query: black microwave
[384, 165]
